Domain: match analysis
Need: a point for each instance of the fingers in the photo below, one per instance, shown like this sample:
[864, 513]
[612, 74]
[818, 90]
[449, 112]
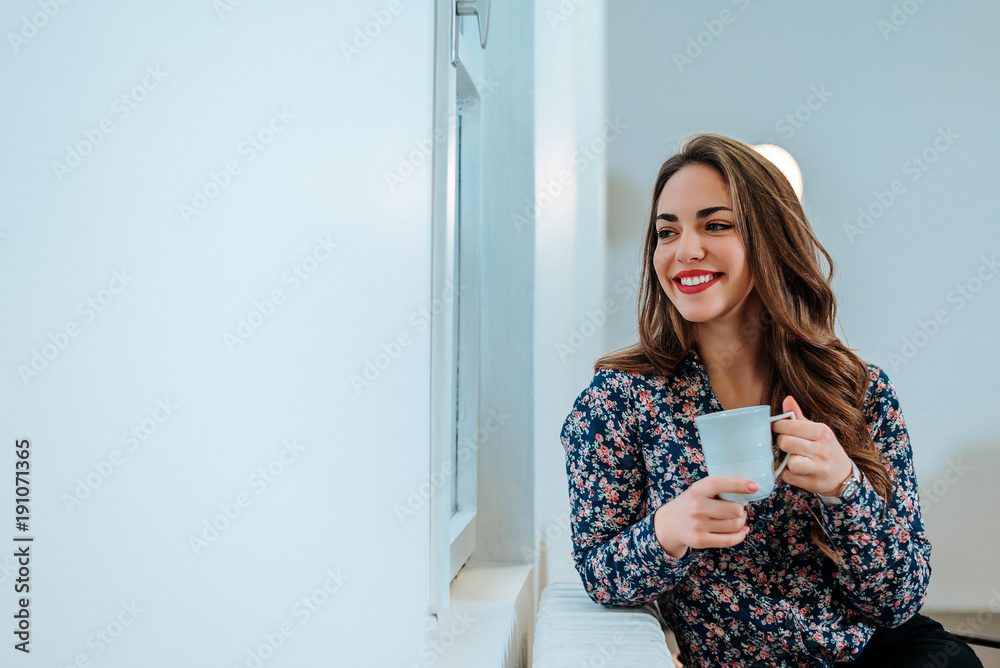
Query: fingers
[699, 519]
[703, 540]
[729, 540]
[695, 520]
[802, 428]
[720, 509]
[718, 523]
[799, 465]
[717, 526]
[713, 485]
[790, 404]
[795, 445]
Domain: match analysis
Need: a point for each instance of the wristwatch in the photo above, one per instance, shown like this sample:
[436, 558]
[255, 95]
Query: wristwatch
[847, 490]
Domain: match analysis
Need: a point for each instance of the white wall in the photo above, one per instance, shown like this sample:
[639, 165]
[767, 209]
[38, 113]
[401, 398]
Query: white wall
[160, 337]
[568, 222]
[886, 94]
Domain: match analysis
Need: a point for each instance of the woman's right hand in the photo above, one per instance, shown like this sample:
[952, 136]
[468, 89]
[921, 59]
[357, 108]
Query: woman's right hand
[697, 518]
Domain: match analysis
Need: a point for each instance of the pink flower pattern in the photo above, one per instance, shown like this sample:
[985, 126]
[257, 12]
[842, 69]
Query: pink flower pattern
[773, 600]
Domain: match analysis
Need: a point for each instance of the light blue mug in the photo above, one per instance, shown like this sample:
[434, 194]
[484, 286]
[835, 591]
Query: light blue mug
[737, 443]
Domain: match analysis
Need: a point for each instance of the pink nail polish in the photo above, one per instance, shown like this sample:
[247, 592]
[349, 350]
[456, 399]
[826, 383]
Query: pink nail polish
[753, 487]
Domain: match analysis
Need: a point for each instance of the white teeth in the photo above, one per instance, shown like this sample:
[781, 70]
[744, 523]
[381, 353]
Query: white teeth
[697, 280]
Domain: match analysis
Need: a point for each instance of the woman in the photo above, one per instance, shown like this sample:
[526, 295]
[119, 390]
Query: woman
[735, 311]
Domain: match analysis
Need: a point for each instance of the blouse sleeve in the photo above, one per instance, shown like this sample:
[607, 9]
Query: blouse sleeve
[887, 557]
[614, 546]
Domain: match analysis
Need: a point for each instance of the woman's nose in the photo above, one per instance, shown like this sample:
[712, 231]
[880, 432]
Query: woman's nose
[689, 247]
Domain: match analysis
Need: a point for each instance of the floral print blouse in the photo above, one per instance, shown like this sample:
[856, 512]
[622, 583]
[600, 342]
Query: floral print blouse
[774, 599]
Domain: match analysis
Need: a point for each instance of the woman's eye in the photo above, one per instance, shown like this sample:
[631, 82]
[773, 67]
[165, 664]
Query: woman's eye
[716, 227]
[665, 233]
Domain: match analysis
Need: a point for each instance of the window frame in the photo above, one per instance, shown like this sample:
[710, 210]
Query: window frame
[455, 368]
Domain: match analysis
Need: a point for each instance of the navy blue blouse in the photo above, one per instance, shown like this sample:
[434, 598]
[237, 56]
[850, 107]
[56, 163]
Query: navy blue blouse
[774, 599]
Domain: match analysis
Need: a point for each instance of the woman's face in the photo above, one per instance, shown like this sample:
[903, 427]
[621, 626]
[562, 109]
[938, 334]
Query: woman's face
[697, 242]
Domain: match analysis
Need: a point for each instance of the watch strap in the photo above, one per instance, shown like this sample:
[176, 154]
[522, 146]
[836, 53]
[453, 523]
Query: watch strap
[847, 489]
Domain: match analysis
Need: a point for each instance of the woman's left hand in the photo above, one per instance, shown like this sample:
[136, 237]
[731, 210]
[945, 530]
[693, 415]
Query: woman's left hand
[818, 462]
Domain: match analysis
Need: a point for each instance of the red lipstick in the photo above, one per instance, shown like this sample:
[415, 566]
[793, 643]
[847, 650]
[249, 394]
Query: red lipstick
[693, 273]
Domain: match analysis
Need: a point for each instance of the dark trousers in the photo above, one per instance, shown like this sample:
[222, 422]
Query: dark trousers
[918, 643]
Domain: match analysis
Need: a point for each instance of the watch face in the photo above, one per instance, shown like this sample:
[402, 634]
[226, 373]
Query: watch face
[852, 485]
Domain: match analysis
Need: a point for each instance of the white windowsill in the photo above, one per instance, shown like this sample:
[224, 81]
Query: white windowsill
[492, 597]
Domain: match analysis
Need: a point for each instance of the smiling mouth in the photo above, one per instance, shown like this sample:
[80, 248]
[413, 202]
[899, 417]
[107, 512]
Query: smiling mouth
[690, 285]
[692, 281]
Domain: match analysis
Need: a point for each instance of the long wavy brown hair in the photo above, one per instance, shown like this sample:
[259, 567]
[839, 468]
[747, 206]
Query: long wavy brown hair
[803, 354]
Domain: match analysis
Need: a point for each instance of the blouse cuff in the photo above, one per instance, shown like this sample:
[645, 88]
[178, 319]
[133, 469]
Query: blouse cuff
[653, 553]
[856, 512]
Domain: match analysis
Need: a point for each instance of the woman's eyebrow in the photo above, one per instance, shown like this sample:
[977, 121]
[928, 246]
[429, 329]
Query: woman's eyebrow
[704, 213]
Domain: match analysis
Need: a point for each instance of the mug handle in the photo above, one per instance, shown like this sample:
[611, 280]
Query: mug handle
[781, 467]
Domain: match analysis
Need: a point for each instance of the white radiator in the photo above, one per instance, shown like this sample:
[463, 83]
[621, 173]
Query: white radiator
[571, 631]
